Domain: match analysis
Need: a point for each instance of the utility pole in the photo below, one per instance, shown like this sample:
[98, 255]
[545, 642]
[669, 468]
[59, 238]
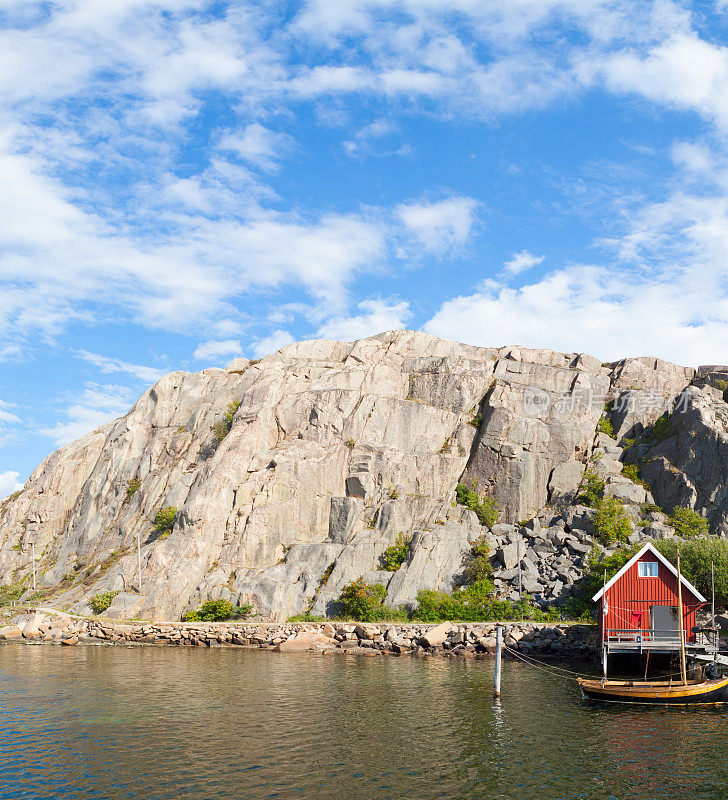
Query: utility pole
[139, 561]
[32, 549]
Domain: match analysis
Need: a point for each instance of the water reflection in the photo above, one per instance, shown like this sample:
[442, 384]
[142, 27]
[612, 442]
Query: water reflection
[168, 723]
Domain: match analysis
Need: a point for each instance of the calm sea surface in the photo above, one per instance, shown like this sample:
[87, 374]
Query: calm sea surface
[147, 722]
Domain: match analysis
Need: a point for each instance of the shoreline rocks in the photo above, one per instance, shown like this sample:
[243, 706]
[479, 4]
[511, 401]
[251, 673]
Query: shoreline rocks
[451, 639]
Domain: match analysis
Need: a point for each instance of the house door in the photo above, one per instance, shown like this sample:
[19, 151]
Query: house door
[664, 622]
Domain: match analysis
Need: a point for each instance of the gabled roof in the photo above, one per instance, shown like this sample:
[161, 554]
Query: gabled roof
[658, 555]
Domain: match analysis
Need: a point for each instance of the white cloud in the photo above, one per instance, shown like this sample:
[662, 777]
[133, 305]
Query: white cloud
[520, 262]
[259, 145]
[674, 307]
[270, 344]
[441, 225]
[98, 404]
[214, 351]
[9, 483]
[683, 72]
[111, 365]
[376, 316]
[10, 352]
[7, 416]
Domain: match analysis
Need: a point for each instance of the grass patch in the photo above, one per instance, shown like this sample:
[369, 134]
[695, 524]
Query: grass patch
[221, 429]
[605, 426]
[132, 487]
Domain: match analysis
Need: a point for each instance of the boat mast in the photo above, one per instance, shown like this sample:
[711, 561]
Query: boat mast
[683, 671]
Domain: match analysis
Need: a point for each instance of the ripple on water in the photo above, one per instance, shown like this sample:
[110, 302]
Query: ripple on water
[98, 722]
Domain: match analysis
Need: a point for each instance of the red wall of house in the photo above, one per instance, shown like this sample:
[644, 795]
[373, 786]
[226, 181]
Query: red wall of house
[631, 592]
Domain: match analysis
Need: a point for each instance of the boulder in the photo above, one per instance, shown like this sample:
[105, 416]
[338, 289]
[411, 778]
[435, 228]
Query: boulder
[658, 530]
[508, 555]
[10, 632]
[436, 636]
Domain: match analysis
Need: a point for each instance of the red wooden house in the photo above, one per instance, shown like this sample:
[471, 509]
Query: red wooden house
[639, 607]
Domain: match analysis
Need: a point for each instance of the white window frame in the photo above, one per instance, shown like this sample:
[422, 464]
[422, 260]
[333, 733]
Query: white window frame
[644, 572]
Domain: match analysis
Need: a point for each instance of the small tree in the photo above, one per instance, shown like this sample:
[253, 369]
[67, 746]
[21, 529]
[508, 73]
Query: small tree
[361, 601]
[592, 489]
[611, 523]
[688, 523]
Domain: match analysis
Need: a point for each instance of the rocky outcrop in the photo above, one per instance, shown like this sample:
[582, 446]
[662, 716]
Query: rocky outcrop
[335, 450]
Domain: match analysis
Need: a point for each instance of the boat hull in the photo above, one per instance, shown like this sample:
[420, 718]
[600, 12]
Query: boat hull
[656, 693]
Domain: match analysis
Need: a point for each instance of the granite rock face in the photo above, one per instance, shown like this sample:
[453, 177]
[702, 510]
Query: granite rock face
[335, 450]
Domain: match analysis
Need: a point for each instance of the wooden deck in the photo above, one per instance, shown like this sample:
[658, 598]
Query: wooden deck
[650, 641]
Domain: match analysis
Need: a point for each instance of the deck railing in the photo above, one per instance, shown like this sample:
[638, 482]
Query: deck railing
[705, 638]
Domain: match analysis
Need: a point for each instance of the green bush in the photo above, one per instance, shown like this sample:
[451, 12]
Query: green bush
[470, 605]
[485, 507]
[221, 429]
[10, 593]
[217, 611]
[478, 568]
[605, 426]
[100, 602]
[696, 556]
[132, 487]
[476, 420]
[592, 489]
[164, 521]
[395, 555]
[361, 601]
[611, 523]
[662, 429]
[688, 523]
[632, 471]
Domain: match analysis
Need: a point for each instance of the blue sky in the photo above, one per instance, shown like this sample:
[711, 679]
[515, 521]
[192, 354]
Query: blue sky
[183, 182]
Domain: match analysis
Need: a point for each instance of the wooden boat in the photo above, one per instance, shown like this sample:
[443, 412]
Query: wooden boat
[656, 692]
[682, 692]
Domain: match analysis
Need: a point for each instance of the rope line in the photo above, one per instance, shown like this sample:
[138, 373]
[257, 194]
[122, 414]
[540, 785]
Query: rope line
[562, 672]
[534, 662]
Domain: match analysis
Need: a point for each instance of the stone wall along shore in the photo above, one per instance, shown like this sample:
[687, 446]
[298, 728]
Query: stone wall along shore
[462, 639]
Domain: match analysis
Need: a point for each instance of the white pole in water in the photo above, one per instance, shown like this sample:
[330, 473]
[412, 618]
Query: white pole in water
[139, 561]
[498, 651]
[32, 548]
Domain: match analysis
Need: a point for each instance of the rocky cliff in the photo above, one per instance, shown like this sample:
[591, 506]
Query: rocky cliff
[337, 448]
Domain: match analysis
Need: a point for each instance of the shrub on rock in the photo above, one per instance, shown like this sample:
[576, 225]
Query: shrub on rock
[100, 602]
[688, 523]
[164, 521]
[395, 555]
[611, 523]
[485, 508]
